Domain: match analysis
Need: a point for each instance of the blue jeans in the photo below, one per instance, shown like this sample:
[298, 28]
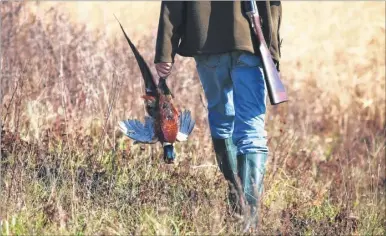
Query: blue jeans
[235, 89]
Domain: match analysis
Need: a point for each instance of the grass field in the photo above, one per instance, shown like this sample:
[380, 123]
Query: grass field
[68, 77]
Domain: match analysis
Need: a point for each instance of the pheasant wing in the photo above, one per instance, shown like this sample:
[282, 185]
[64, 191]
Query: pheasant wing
[142, 133]
[186, 125]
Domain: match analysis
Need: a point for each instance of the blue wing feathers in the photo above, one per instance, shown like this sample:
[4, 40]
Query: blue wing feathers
[186, 122]
[137, 131]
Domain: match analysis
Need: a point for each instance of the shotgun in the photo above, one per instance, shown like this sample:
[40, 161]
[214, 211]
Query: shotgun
[276, 91]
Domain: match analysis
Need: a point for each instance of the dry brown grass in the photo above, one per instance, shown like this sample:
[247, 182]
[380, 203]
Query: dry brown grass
[65, 167]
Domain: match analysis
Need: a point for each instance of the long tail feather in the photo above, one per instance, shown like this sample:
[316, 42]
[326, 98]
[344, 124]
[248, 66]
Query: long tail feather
[150, 84]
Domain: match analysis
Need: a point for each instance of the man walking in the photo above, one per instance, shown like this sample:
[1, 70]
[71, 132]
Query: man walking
[217, 34]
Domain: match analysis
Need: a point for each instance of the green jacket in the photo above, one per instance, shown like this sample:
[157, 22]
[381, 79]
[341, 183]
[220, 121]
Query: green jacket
[190, 28]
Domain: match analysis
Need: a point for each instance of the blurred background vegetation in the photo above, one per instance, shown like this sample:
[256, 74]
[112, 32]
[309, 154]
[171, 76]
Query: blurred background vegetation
[68, 76]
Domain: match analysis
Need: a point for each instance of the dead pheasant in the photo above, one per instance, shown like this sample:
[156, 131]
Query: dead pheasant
[164, 123]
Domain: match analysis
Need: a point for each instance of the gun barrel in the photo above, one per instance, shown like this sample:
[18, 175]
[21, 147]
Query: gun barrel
[250, 7]
[276, 90]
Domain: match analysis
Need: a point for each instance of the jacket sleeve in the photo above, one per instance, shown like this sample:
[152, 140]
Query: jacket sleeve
[170, 27]
[276, 18]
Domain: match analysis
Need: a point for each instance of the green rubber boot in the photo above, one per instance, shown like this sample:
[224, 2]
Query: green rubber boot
[226, 154]
[251, 170]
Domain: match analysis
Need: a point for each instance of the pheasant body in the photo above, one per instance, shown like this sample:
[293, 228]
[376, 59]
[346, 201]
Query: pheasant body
[165, 124]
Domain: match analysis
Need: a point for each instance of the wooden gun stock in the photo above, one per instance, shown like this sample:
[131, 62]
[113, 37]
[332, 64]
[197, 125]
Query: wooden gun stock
[276, 90]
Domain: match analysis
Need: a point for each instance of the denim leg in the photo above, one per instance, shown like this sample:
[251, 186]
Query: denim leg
[214, 74]
[250, 104]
